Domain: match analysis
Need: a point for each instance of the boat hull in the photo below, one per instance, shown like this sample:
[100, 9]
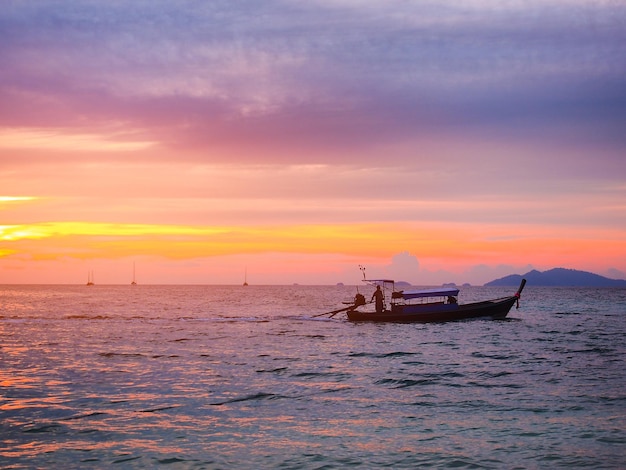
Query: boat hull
[496, 309]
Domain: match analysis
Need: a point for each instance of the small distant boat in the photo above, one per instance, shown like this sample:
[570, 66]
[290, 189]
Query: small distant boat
[133, 283]
[245, 278]
[428, 305]
[90, 278]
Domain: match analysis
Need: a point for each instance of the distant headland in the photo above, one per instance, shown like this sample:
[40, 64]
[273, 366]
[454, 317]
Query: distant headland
[559, 277]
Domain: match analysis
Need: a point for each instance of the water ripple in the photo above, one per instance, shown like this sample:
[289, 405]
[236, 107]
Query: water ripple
[165, 376]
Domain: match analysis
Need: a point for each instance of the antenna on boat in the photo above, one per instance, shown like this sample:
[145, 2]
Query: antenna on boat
[362, 268]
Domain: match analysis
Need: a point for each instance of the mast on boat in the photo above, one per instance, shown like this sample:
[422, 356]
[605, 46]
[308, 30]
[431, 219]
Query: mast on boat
[134, 283]
[245, 277]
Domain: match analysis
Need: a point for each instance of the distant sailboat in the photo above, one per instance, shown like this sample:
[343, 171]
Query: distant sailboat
[245, 278]
[90, 278]
[134, 283]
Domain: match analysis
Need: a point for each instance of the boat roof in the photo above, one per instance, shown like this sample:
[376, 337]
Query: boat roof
[374, 281]
[441, 292]
[421, 293]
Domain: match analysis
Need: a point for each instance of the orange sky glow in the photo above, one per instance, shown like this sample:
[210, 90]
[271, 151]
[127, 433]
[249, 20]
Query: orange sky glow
[296, 155]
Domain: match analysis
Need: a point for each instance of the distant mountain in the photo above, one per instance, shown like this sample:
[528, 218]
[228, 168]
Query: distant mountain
[559, 277]
[452, 284]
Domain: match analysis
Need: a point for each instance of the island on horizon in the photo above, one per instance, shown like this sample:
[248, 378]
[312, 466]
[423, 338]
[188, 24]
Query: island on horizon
[558, 277]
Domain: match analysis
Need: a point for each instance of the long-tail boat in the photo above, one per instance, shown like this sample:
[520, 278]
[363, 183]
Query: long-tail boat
[428, 305]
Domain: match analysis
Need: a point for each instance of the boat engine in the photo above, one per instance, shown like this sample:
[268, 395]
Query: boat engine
[359, 300]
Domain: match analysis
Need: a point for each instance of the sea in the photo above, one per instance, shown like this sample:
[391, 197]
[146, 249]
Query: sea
[234, 377]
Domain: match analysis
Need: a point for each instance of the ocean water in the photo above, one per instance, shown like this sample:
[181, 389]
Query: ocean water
[223, 377]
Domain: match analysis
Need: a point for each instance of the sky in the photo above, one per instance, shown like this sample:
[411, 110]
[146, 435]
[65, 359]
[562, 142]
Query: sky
[290, 142]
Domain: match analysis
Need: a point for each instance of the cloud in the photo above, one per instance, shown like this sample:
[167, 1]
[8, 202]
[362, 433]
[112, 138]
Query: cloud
[55, 139]
[404, 266]
[236, 76]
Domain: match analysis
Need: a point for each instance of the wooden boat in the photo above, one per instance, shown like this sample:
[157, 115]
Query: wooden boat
[429, 305]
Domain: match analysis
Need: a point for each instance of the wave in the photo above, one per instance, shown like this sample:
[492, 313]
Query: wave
[114, 354]
[383, 356]
[277, 370]
[320, 374]
[404, 383]
[43, 428]
[254, 397]
[88, 317]
[159, 408]
[82, 416]
[261, 396]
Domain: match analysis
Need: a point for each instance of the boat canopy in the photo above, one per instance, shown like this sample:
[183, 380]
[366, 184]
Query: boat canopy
[379, 281]
[416, 294]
